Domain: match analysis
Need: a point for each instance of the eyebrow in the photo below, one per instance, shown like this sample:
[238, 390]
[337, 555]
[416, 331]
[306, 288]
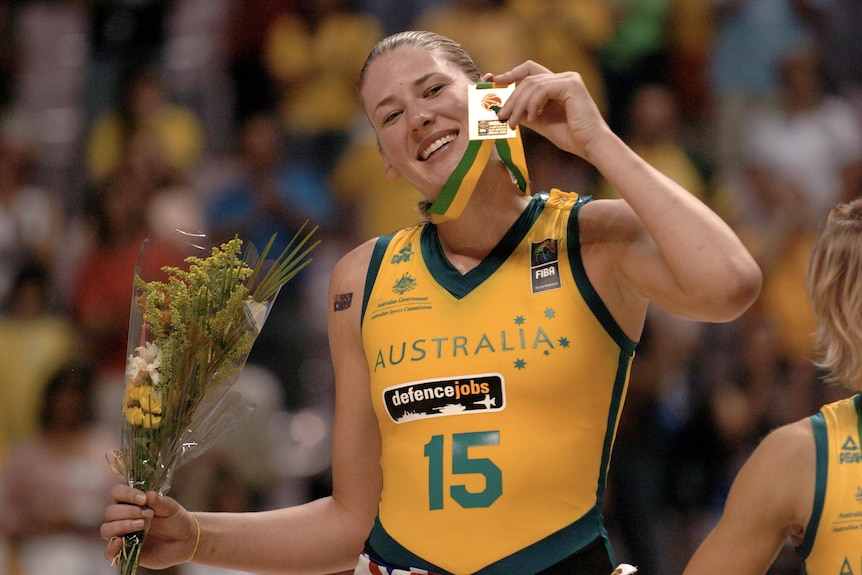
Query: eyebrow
[417, 82]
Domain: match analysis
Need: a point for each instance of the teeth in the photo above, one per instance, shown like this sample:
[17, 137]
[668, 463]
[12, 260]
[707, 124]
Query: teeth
[436, 145]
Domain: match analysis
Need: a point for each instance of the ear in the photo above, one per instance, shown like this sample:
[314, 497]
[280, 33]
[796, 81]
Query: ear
[391, 173]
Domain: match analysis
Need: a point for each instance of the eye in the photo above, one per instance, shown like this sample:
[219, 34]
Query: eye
[433, 90]
[390, 117]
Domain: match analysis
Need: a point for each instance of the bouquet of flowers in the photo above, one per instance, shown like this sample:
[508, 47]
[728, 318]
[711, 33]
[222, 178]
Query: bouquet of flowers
[189, 337]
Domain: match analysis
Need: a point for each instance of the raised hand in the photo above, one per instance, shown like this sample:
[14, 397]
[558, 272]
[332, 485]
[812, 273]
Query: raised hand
[556, 105]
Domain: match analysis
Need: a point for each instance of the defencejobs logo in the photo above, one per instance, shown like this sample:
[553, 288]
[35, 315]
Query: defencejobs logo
[544, 266]
[850, 452]
[435, 397]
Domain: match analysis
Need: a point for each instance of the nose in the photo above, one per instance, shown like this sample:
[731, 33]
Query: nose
[420, 118]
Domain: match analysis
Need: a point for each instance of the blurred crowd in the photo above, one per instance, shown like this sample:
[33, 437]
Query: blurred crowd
[129, 119]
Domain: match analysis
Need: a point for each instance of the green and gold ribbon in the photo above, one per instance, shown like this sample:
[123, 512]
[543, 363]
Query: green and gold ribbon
[458, 190]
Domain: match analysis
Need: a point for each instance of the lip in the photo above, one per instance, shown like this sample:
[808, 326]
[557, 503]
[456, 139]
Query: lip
[446, 137]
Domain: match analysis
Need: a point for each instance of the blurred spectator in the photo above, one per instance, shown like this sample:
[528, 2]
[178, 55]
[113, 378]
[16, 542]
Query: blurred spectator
[636, 53]
[314, 53]
[101, 286]
[690, 37]
[9, 55]
[653, 132]
[750, 37]
[748, 388]
[807, 144]
[248, 29]
[245, 456]
[228, 492]
[634, 505]
[489, 30]
[802, 154]
[376, 204]
[30, 216]
[272, 193]
[396, 15]
[35, 339]
[57, 482]
[842, 53]
[145, 107]
[565, 35]
[735, 368]
[123, 34]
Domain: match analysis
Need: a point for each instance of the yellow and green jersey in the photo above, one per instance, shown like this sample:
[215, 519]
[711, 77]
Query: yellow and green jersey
[833, 537]
[497, 394]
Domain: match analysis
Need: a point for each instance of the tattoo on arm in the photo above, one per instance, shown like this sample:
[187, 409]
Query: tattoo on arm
[342, 301]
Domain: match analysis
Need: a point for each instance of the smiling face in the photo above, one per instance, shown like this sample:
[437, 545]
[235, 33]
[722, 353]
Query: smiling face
[416, 101]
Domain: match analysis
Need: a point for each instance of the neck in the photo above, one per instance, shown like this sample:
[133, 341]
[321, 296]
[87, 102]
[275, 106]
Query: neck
[495, 205]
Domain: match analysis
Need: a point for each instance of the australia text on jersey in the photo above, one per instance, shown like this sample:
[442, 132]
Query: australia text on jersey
[446, 347]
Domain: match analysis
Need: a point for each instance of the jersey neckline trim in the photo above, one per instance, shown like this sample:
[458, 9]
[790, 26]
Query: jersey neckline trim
[460, 285]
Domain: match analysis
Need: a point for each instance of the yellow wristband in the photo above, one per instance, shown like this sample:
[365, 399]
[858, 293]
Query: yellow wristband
[197, 538]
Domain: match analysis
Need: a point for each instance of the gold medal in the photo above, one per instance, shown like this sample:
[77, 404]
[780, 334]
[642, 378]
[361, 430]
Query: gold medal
[486, 133]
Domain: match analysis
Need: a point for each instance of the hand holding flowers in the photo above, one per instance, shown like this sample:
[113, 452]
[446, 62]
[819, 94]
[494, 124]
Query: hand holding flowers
[189, 338]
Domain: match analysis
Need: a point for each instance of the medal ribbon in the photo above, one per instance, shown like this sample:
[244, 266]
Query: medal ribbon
[458, 189]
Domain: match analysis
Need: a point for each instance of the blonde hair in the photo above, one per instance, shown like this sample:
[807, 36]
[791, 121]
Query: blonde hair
[449, 49]
[834, 284]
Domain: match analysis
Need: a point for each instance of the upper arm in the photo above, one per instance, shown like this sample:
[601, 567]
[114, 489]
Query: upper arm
[357, 479]
[770, 500]
[688, 263]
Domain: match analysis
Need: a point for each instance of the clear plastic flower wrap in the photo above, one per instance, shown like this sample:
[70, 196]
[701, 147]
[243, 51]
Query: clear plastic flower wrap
[190, 333]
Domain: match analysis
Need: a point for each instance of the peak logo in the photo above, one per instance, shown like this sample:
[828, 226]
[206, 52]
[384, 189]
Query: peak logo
[850, 452]
[436, 398]
[403, 255]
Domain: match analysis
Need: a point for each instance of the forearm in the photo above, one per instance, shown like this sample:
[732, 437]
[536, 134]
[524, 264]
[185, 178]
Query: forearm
[312, 538]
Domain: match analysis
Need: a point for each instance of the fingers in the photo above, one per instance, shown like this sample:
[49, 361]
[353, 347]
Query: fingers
[536, 87]
[162, 505]
[113, 548]
[127, 515]
[528, 101]
[118, 528]
[122, 511]
[122, 493]
[518, 73]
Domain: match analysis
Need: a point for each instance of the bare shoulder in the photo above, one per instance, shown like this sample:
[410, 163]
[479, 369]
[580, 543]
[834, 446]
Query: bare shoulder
[794, 440]
[349, 273]
[785, 454]
[784, 466]
[601, 220]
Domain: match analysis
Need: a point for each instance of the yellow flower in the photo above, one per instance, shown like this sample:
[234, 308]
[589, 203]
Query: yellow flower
[142, 405]
[134, 415]
[150, 400]
[152, 421]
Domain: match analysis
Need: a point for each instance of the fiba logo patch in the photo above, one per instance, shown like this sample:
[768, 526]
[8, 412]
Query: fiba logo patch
[544, 266]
